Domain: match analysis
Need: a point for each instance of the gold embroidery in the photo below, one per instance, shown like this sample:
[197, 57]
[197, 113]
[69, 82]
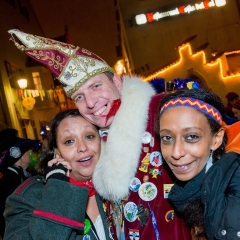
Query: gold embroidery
[86, 51]
[56, 61]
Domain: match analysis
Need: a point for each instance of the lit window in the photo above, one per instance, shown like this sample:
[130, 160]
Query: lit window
[141, 19]
[220, 3]
[37, 80]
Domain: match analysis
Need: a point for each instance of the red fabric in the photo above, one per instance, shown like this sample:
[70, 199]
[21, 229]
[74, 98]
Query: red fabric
[22, 186]
[169, 229]
[88, 185]
[114, 108]
[58, 218]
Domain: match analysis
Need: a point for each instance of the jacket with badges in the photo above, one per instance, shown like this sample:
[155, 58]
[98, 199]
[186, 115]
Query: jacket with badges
[131, 173]
[220, 195]
[55, 210]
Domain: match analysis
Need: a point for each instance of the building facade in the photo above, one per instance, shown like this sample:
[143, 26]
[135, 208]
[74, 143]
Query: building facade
[27, 109]
[152, 31]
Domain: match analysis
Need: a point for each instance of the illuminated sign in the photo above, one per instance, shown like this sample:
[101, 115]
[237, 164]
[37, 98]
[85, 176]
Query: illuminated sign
[150, 17]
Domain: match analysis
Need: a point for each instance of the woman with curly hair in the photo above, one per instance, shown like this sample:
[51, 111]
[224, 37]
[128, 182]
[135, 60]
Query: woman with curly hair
[193, 143]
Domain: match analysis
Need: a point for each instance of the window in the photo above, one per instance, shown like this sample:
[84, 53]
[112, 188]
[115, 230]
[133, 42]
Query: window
[14, 73]
[28, 128]
[32, 123]
[23, 127]
[37, 80]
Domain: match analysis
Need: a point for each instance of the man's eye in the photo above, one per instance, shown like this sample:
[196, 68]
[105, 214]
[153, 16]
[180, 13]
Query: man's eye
[78, 98]
[96, 86]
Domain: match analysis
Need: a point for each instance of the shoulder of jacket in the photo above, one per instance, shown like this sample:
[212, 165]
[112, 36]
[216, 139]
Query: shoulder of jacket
[34, 183]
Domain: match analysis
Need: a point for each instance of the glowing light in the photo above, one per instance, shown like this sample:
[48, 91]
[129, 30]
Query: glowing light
[149, 17]
[22, 83]
[141, 19]
[214, 63]
[220, 3]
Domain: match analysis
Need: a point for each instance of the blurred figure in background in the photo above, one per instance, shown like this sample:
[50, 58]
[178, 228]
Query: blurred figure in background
[236, 109]
[15, 159]
[232, 97]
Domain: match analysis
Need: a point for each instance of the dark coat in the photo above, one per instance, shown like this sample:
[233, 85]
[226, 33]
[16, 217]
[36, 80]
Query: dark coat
[10, 179]
[55, 210]
[220, 195]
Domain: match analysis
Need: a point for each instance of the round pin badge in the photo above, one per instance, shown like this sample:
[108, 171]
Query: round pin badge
[130, 211]
[135, 184]
[87, 237]
[146, 137]
[15, 152]
[147, 191]
[156, 159]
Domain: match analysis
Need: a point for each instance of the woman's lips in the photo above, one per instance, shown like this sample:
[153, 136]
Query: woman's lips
[181, 168]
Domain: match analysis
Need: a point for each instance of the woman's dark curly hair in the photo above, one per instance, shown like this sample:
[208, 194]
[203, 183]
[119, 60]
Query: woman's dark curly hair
[52, 137]
[193, 213]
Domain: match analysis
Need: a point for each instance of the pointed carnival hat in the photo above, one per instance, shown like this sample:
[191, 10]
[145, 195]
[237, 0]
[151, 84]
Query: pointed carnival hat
[73, 66]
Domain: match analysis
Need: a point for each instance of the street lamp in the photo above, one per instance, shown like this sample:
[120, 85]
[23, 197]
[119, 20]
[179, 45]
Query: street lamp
[22, 83]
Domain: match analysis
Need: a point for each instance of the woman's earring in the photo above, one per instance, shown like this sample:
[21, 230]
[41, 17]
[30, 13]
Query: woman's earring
[210, 161]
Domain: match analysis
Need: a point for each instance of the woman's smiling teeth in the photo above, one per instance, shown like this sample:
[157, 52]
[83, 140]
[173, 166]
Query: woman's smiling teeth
[100, 111]
[84, 159]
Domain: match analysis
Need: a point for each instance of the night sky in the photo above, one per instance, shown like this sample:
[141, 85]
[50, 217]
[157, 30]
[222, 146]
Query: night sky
[92, 23]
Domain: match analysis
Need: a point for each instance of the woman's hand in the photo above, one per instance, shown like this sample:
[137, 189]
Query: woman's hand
[59, 160]
[58, 168]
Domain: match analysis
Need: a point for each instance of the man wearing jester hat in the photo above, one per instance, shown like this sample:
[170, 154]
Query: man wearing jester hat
[124, 109]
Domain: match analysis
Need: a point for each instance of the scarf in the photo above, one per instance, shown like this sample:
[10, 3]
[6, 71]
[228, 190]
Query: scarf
[180, 195]
[88, 185]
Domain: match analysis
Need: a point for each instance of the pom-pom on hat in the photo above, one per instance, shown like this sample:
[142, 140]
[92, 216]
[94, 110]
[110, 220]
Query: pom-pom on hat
[18, 147]
[237, 105]
[231, 95]
[73, 66]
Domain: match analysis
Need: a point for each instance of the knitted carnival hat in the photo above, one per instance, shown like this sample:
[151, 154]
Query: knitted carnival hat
[73, 66]
[237, 105]
[231, 95]
[18, 147]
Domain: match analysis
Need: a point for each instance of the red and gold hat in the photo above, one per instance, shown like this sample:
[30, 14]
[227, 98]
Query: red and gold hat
[73, 66]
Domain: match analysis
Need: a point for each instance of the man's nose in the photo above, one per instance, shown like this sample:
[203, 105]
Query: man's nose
[91, 100]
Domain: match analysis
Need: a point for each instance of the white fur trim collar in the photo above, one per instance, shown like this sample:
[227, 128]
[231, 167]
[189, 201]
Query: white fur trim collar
[120, 155]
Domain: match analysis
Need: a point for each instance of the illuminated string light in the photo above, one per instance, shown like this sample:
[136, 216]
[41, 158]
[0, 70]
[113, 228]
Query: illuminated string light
[217, 62]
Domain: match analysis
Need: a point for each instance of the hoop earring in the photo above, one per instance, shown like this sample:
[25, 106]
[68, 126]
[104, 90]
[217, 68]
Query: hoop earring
[209, 162]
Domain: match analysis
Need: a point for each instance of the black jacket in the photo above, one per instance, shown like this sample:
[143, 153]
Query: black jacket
[220, 195]
[10, 179]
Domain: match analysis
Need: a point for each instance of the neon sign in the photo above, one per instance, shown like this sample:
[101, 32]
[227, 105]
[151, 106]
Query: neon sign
[150, 17]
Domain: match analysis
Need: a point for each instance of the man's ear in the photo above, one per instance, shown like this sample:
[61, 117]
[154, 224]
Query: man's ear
[218, 139]
[118, 82]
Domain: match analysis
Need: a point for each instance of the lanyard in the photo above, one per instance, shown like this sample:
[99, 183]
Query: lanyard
[154, 223]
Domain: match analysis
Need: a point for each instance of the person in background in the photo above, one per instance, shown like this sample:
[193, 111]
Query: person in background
[236, 109]
[232, 97]
[14, 161]
[61, 203]
[207, 168]
[130, 172]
